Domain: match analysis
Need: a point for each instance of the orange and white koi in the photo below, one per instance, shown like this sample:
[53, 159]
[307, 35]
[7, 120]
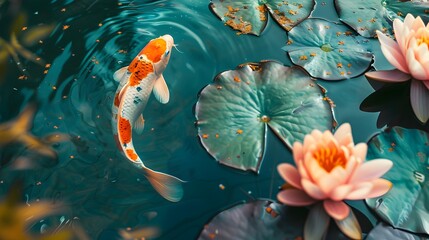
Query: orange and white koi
[136, 82]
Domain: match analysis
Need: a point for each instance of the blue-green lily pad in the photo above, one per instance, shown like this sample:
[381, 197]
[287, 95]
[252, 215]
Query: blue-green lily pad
[328, 50]
[257, 220]
[250, 16]
[233, 113]
[367, 16]
[406, 205]
[384, 231]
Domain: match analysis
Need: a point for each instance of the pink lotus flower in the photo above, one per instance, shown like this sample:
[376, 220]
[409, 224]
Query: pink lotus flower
[410, 55]
[330, 168]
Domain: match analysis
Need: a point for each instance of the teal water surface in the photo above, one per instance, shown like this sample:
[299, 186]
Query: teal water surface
[102, 191]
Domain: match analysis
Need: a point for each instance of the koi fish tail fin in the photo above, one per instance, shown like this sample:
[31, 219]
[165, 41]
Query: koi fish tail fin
[166, 185]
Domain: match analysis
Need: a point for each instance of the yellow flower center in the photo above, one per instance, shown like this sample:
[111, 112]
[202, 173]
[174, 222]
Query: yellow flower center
[329, 158]
[422, 36]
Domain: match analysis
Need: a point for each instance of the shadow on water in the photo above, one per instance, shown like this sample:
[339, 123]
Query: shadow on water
[392, 101]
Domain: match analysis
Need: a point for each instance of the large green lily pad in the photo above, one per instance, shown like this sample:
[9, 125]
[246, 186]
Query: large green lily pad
[256, 220]
[384, 231]
[367, 16]
[406, 205]
[328, 50]
[250, 16]
[233, 112]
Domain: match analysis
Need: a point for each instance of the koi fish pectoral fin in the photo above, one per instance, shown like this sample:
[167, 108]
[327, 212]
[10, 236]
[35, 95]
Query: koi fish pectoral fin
[117, 76]
[139, 125]
[160, 90]
[166, 185]
[122, 92]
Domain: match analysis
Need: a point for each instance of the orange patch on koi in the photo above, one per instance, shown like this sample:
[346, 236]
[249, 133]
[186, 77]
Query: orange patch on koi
[155, 49]
[131, 154]
[141, 70]
[117, 101]
[124, 130]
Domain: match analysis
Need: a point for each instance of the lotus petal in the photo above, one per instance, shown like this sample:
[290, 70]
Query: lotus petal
[388, 76]
[420, 100]
[317, 223]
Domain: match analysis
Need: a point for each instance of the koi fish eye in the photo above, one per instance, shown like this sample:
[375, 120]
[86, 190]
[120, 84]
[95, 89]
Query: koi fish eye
[167, 52]
[141, 57]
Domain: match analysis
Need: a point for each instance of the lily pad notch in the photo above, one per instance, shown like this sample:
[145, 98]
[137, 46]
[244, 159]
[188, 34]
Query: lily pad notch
[234, 113]
[251, 16]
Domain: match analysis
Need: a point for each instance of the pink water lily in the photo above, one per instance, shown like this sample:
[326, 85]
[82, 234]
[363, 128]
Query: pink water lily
[330, 168]
[410, 55]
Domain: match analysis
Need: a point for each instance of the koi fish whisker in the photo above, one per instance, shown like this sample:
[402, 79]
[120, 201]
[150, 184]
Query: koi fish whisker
[175, 46]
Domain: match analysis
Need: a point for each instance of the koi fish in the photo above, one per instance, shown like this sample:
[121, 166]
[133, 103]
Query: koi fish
[136, 82]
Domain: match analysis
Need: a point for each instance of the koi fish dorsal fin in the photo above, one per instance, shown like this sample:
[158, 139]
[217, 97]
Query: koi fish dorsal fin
[120, 73]
[139, 125]
[160, 90]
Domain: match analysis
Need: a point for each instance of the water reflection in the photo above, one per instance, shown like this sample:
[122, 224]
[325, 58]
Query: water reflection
[393, 103]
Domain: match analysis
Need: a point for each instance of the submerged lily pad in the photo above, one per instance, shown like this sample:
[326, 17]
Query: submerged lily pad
[233, 113]
[328, 50]
[250, 16]
[367, 16]
[261, 219]
[406, 205]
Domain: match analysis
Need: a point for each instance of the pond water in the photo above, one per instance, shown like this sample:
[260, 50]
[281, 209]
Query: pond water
[74, 92]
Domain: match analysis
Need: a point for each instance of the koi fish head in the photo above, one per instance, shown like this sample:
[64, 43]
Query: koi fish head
[158, 51]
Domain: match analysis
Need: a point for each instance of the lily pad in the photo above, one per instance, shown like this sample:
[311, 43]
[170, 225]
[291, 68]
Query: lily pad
[250, 16]
[406, 205]
[384, 231]
[367, 16]
[328, 50]
[233, 113]
[261, 219]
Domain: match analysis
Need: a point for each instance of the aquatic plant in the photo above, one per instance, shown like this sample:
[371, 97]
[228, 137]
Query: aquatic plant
[405, 205]
[18, 131]
[328, 50]
[330, 168]
[368, 16]
[15, 218]
[239, 106]
[410, 55]
[385, 231]
[259, 219]
[250, 16]
[29, 37]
